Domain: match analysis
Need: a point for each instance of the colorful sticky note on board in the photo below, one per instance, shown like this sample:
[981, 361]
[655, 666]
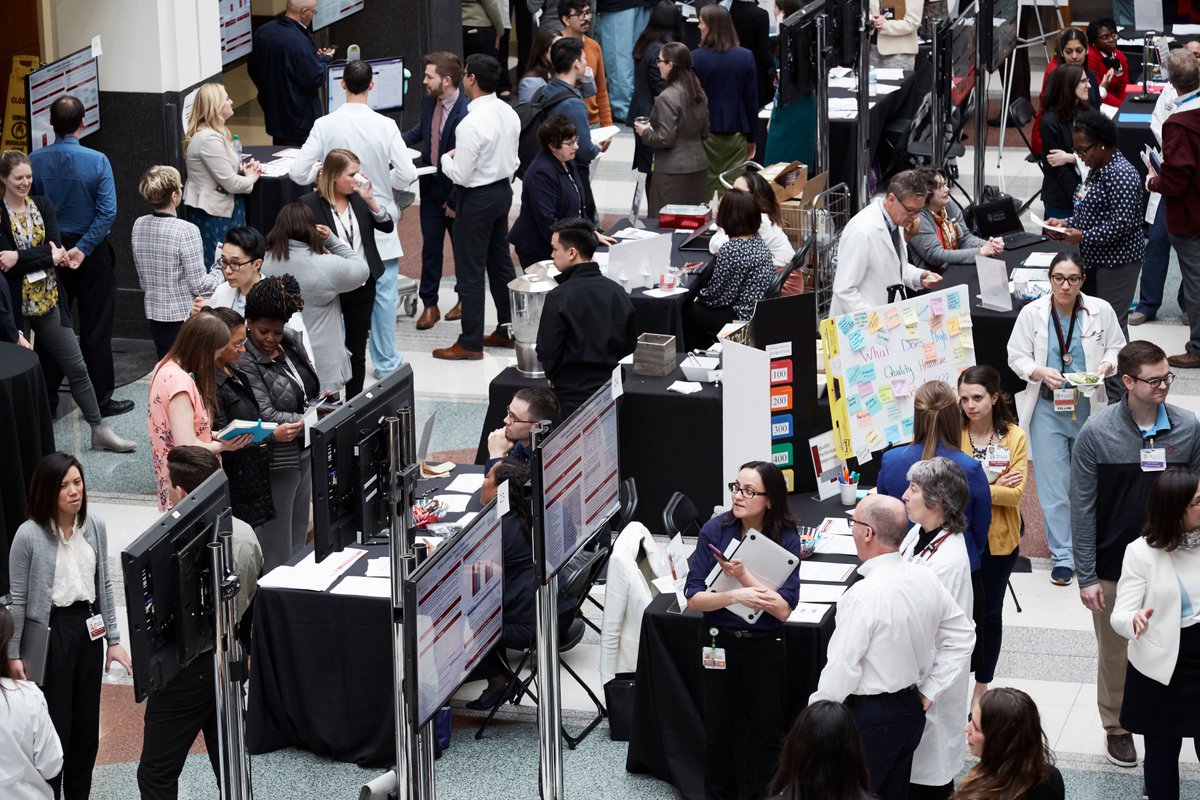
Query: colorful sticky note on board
[852, 375]
[910, 332]
[892, 317]
[900, 387]
[845, 324]
[873, 438]
[893, 411]
[874, 322]
[935, 324]
[952, 302]
[882, 338]
[909, 315]
[873, 404]
[907, 425]
[860, 319]
[929, 352]
[960, 354]
[853, 403]
[885, 394]
[866, 373]
[968, 340]
[964, 319]
[892, 434]
[864, 418]
[866, 388]
[952, 327]
[857, 340]
[936, 306]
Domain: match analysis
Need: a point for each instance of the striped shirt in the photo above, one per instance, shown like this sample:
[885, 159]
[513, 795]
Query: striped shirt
[170, 265]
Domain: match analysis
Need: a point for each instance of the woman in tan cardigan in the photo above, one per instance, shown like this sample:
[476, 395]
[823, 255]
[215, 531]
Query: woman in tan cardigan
[678, 125]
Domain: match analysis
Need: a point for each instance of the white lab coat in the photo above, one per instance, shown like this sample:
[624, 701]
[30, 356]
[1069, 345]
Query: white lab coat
[867, 263]
[943, 748]
[626, 595]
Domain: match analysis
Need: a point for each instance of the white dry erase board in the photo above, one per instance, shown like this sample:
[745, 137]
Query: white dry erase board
[876, 359]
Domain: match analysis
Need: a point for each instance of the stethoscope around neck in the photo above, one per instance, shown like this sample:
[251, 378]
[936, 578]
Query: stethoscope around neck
[932, 548]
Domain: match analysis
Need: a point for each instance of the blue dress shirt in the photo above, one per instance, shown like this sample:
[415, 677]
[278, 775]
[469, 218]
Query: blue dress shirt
[79, 182]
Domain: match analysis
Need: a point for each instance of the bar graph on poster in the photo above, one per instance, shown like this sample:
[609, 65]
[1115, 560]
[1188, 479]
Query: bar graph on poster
[876, 359]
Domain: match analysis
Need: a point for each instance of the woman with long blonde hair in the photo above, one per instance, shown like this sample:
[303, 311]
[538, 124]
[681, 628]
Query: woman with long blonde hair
[216, 181]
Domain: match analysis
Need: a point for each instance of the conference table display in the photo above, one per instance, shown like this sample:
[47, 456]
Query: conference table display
[271, 192]
[1133, 129]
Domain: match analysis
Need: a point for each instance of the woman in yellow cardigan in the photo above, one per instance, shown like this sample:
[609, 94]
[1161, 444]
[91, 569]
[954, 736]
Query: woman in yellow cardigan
[991, 435]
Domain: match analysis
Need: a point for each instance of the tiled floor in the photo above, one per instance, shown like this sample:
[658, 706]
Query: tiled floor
[1049, 648]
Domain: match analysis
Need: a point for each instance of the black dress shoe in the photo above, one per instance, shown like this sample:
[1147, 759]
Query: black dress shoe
[115, 407]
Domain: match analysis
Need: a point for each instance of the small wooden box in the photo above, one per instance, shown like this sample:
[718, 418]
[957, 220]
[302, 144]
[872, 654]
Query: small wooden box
[654, 355]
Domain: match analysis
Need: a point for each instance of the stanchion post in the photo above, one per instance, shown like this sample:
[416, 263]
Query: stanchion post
[981, 112]
[821, 149]
[235, 778]
[938, 108]
[861, 195]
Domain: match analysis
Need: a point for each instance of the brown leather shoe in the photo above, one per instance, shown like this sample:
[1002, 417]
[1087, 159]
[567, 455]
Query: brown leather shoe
[428, 318]
[1184, 360]
[456, 352]
[498, 338]
[454, 313]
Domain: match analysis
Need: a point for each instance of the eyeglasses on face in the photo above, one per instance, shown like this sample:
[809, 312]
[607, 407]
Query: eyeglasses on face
[509, 415]
[1154, 383]
[225, 263]
[744, 491]
[912, 211]
[587, 12]
[1059, 279]
[1083, 151]
[854, 522]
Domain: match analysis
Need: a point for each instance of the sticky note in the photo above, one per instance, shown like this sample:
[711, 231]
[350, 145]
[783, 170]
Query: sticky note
[857, 341]
[874, 322]
[923, 311]
[900, 387]
[935, 324]
[781, 370]
[866, 373]
[907, 425]
[873, 438]
[929, 352]
[952, 327]
[892, 317]
[892, 434]
[960, 353]
[852, 374]
[968, 340]
[860, 319]
[864, 418]
[936, 306]
[865, 389]
[964, 320]
[864, 455]
[853, 403]
[952, 301]
[882, 338]
[893, 411]
[873, 404]
[845, 324]
[910, 332]
[909, 315]
[885, 394]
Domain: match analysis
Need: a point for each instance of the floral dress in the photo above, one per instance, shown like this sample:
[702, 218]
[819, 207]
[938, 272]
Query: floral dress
[169, 380]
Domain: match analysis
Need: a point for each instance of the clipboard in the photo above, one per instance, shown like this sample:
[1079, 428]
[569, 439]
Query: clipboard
[35, 648]
[771, 563]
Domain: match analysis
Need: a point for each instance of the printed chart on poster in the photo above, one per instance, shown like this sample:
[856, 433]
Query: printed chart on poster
[236, 34]
[78, 75]
[876, 359]
[386, 95]
[580, 478]
[456, 599]
[331, 11]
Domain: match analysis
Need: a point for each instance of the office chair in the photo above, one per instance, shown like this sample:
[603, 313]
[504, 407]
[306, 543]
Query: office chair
[681, 516]
[1021, 113]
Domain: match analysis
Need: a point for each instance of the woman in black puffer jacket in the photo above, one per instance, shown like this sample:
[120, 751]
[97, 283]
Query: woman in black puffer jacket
[284, 383]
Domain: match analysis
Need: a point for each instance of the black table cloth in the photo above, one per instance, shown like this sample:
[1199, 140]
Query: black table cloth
[843, 133]
[321, 668]
[667, 733]
[1134, 135]
[269, 194]
[668, 441]
[26, 434]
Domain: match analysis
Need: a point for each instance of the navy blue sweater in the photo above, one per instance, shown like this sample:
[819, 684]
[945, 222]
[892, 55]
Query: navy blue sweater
[728, 80]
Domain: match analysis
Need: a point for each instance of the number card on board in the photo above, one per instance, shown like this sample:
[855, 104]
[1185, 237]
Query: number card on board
[876, 359]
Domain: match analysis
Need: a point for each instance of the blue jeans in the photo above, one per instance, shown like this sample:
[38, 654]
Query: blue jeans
[1052, 434]
[383, 321]
[617, 31]
[1154, 266]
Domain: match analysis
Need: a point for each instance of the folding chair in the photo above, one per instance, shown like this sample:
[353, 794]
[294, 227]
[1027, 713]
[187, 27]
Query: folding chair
[1021, 112]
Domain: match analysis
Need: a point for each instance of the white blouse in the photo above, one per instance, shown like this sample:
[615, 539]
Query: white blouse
[771, 234]
[74, 569]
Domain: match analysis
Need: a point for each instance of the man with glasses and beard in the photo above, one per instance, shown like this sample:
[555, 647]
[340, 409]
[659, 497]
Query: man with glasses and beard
[527, 408]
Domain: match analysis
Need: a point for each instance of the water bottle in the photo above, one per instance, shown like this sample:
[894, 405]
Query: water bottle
[353, 53]
[237, 146]
[872, 83]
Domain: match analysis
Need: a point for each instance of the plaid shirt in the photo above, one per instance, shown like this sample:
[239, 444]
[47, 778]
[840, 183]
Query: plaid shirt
[170, 265]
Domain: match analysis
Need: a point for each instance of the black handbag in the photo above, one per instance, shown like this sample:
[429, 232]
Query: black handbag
[618, 697]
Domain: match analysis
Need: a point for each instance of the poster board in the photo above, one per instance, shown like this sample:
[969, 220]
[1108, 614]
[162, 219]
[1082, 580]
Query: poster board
[331, 11]
[76, 74]
[876, 359]
[386, 95]
[236, 34]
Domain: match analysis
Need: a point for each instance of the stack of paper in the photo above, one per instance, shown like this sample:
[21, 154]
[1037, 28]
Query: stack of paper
[311, 576]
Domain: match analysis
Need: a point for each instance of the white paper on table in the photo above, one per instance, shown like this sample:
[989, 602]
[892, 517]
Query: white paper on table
[277, 168]
[661, 293]
[288, 152]
[837, 546]
[454, 503]
[634, 234]
[834, 526]
[889, 74]
[469, 483]
[885, 88]
[825, 572]
[627, 359]
[821, 592]
[839, 72]
[843, 83]
[684, 387]
[466, 518]
[602, 135]
[808, 612]
[1027, 275]
[1109, 111]
[287, 577]
[1183, 30]
[379, 567]
[363, 586]
[1039, 259]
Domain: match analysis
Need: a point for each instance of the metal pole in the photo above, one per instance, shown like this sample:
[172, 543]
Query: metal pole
[980, 101]
[861, 196]
[235, 779]
[821, 156]
[939, 96]
[401, 473]
[549, 710]
[426, 786]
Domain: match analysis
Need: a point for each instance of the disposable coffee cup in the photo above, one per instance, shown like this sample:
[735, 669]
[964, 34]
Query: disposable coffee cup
[642, 120]
[849, 493]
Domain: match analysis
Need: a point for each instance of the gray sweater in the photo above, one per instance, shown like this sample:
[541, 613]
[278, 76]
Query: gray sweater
[322, 278]
[926, 248]
[31, 563]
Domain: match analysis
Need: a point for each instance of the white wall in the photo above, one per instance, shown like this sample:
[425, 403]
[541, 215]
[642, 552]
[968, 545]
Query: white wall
[148, 45]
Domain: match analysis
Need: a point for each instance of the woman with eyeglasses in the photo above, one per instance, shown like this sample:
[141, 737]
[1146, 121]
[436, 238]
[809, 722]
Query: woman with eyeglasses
[1104, 57]
[943, 237]
[1106, 220]
[936, 499]
[1072, 49]
[1065, 332]
[665, 25]
[1065, 97]
[743, 685]
[1155, 609]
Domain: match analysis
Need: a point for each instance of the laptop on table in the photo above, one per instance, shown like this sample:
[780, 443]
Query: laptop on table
[999, 218]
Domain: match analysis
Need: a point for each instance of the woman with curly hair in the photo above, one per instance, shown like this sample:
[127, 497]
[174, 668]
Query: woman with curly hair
[1015, 760]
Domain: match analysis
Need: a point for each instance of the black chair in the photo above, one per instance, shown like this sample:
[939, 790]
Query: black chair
[575, 581]
[1020, 114]
[681, 516]
[799, 261]
[628, 497]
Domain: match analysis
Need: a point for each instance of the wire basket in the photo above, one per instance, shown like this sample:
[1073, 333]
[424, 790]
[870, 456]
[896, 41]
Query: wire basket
[823, 221]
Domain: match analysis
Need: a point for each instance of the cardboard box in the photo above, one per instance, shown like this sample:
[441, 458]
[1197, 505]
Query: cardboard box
[787, 179]
[795, 213]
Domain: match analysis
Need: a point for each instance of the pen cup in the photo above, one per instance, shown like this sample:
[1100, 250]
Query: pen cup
[849, 493]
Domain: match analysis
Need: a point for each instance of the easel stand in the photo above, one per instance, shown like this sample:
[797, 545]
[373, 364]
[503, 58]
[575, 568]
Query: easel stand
[235, 776]
[1025, 44]
[862, 193]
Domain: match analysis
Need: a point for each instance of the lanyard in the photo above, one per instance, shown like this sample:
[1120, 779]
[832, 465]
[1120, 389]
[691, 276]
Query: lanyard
[295, 374]
[346, 225]
[1064, 347]
[932, 547]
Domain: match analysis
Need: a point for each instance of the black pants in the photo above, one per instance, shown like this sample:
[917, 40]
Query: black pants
[163, 334]
[94, 289]
[743, 714]
[917, 791]
[994, 572]
[284, 141]
[702, 323]
[890, 726]
[356, 316]
[523, 26]
[480, 40]
[1161, 766]
[174, 715]
[480, 240]
[74, 665]
[434, 227]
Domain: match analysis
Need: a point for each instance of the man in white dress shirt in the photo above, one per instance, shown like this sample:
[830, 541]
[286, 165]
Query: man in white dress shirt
[900, 642]
[384, 158]
[482, 166]
[872, 255]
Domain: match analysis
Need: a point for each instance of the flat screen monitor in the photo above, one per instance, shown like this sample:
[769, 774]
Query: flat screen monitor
[960, 53]
[798, 53]
[77, 74]
[578, 483]
[455, 599]
[388, 94]
[998, 31]
[168, 595]
[350, 465]
[236, 34]
[842, 32]
[331, 11]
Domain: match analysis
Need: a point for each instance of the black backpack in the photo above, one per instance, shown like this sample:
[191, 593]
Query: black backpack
[532, 114]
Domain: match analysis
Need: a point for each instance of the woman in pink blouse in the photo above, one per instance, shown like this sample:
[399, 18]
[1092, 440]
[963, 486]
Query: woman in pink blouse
[183, 391]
